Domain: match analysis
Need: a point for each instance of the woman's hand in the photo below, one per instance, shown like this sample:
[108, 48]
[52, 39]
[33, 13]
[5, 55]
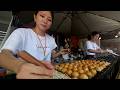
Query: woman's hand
[48, 64]
[31, 71]
[109, 51]
[103, 51]
[64, 51]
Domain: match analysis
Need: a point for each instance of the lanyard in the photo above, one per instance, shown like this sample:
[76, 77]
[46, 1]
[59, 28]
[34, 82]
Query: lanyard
[44, 48]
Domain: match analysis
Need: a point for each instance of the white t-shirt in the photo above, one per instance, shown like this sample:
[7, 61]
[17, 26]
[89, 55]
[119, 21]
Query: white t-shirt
[91, 45]
[26, 39]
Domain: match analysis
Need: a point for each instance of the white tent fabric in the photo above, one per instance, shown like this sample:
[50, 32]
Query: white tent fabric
[83, 23]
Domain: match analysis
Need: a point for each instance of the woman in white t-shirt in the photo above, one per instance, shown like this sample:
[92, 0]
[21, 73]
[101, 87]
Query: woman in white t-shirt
[37, 43]
[92, 47]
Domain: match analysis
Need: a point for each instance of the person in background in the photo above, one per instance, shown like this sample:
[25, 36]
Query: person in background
[36, 42]
[92, 47]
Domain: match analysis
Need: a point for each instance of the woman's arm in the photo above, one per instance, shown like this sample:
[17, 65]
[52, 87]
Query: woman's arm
[61, 52]
[10, 62]
[23, 69]
[55, 54]
[97, 51]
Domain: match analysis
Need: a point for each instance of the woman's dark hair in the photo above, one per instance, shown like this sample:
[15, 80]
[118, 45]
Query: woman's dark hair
[52, 14]
[92, 34]
[89, 37]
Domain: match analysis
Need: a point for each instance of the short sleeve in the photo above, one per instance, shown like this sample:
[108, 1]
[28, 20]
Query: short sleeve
[14, 42]
[54, 45]
[97, 47]
[89, 45]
